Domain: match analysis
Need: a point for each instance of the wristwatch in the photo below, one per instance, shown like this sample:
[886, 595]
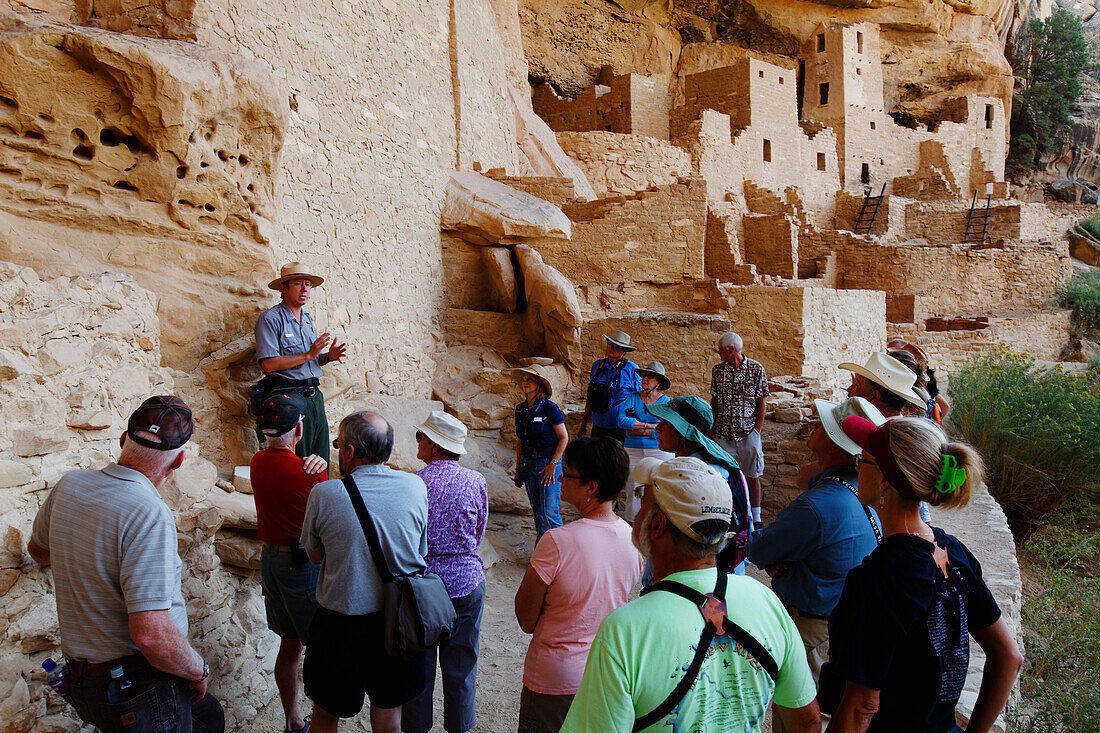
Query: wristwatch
[205, 671]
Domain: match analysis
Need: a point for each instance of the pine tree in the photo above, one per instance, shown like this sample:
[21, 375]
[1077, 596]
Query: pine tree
[1049, 59]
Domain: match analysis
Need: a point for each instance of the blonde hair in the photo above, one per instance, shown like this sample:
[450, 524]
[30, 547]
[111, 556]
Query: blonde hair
[918, 445]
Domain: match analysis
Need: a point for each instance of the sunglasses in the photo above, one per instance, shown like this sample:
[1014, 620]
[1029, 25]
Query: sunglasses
[865, 462]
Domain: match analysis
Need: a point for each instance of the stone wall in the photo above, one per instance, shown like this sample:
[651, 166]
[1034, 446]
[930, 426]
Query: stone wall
[1043, 335]
[966, 278]
[654, 236]
[628, 104]
[807, 331]
[617, 164]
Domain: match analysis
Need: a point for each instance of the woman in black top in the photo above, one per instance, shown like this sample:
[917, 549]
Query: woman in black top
[899, 646]
[540, 443]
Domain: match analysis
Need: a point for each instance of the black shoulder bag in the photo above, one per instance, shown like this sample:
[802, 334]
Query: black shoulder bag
[747, 641]
[418, 612]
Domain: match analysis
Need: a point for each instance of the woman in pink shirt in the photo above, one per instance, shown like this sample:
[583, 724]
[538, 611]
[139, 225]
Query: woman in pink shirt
[578, 574]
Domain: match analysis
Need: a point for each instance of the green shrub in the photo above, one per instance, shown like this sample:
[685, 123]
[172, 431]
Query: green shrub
[1092, 225]
[1037, 429]
[1060, 682]
[1082, 294]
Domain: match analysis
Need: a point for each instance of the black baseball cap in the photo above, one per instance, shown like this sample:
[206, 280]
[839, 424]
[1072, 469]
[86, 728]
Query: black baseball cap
[280, 412]
[166, 417]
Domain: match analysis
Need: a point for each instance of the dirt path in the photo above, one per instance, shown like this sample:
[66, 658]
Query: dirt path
[503, 645]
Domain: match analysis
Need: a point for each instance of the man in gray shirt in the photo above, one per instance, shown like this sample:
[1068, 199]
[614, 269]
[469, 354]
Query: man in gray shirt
[346, 654]
[291, 354]
[111, 541]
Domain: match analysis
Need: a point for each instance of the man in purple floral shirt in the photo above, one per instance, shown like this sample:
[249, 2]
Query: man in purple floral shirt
[458, 507]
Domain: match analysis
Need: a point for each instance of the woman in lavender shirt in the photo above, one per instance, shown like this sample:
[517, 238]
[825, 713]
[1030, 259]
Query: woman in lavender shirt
[458, 507]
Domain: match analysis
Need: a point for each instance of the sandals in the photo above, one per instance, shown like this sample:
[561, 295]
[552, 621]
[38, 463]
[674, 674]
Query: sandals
[303, 729]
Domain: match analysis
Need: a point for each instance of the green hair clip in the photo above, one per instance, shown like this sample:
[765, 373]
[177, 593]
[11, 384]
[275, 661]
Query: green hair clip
[951, 476]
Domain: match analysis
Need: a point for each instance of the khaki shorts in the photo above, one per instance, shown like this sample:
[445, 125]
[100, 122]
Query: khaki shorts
[748, 451]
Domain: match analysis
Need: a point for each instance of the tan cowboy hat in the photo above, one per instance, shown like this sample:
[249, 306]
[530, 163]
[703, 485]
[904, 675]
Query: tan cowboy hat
[656, 370]
[294, 271]
[538, 371]
[620, 339]
[888, 372]
[446, 431]
[832, 417]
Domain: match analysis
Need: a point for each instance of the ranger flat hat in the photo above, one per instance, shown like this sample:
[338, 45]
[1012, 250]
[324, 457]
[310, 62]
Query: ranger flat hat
[294, 271]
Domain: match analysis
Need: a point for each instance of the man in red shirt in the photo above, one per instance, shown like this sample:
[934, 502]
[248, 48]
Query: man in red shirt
[281, 482]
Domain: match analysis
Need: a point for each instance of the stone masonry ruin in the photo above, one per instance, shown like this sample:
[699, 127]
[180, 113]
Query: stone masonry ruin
[475, 200]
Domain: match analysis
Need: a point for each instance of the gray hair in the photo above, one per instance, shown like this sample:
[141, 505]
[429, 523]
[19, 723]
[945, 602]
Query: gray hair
[919, 445]
[729, 339]
[685, 545]
[284, 440]
[149, 461]
[369, 435]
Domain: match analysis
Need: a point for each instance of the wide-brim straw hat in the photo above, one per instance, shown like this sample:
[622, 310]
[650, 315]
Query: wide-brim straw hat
[656, 370]
[692, 418]
[538, 372]
[446, 431]
[294, 271]
[889, 373]
[620, 339]
[832, 416]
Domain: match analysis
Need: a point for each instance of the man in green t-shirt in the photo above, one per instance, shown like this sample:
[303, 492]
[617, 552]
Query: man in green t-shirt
[644, 648]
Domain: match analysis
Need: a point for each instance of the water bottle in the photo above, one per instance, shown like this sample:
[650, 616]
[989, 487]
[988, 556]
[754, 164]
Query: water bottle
[120, 689]
[57, 677]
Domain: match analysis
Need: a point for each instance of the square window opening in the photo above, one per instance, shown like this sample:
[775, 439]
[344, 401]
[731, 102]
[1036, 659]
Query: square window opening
[820, 42]
[823, 93]
[767, 151]
[859, 42]
[989, 117]
[821, 161]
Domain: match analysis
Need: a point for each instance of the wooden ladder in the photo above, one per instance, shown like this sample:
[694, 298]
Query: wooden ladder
[868, 212]
[977, 220]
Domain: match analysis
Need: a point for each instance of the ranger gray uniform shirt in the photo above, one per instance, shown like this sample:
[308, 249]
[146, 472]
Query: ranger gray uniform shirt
[278, 333]
[398, 503]
[112, 545]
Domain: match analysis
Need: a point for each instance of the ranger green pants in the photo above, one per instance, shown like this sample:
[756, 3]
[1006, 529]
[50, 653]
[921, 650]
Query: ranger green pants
[315, 438]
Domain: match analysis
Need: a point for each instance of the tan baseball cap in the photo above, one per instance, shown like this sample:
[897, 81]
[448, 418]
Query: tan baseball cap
[688, 491]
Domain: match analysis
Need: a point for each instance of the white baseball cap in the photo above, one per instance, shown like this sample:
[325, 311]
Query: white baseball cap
[688, 491]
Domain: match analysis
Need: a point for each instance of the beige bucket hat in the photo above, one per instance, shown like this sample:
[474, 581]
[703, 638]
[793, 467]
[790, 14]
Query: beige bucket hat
[888, 372]
[294, 271]
[620, 339]
[656, 370]
[446, 431]
[832, 417]
[539, 372]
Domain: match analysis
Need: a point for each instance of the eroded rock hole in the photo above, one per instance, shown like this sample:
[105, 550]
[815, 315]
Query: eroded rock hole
[78, 135]
[8, 103]
[208, 207]
[7, 130]
[250, 187]
[200, 178]
[224, 156]
[46, 118]
[243, 160]
[181, 172]
[84, 152]
[113, 137]
[204, 164]
[33, 135]
[125, 186]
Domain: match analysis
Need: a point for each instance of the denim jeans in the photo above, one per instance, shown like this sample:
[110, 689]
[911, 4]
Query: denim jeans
[160, 703]
[545, 500]
[458, 663]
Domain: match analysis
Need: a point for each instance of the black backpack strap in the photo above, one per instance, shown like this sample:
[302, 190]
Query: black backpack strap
[738, 634]
[368, 530]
